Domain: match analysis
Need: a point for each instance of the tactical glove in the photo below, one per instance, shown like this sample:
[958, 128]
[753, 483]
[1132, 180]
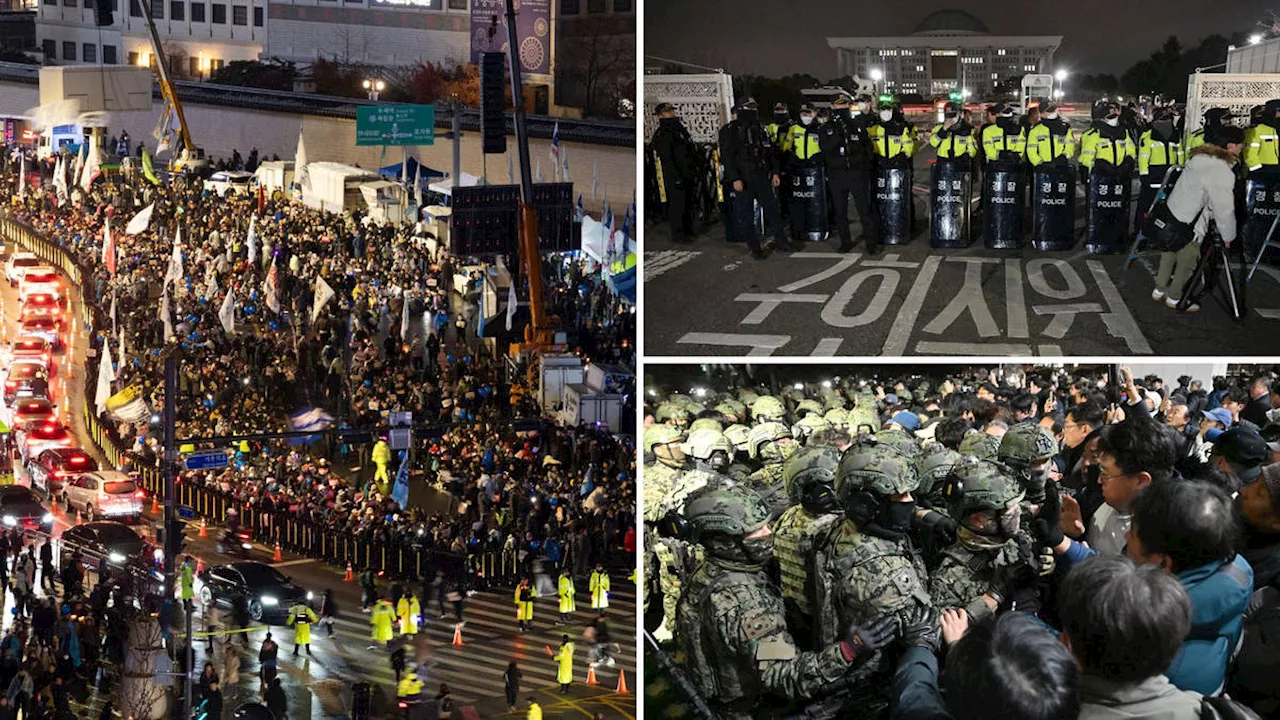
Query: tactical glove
[1048, 524]
[863, 639]
[921, 628]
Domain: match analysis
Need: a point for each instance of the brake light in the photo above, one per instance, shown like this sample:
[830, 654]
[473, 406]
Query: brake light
[77, 460]
[140, 494]
[49, 427]
[9, 384]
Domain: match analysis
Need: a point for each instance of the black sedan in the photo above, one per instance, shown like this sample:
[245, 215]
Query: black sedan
[115, 541]
[20, 508]
[269, 592]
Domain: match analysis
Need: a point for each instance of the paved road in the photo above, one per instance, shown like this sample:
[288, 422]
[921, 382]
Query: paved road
[709, 297]
[320, 686]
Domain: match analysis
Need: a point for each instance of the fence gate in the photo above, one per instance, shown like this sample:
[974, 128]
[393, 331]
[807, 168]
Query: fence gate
[703, 102]
[1238, 92]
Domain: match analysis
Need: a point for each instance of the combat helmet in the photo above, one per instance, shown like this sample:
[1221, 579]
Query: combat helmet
[863, 415]
[868, 476]
[809, 477]
[737, 434]
[705, 424]
[746, 396]
[980, 445]
[732, 409]
[767, 408]
[933, 466]
[673, 413]
[763, 437]
[703, 445]
[808, 425]
[807, 406]
[1026, 443]
[838, 417]
[660, 434]
[975, 485]
[725, 513]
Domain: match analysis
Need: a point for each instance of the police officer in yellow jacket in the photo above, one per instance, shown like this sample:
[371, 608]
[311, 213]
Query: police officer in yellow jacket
[1051, 140]
[1262, 139]
[894, 144]
[1106, 143]
[891, 137]
[805, 148]
[1213, 118]
[953, 138]
[780, 129]
[410, 687]
[1003, 140]
[1159, 148]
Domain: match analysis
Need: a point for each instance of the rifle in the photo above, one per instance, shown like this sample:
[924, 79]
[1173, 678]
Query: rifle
[700, 706]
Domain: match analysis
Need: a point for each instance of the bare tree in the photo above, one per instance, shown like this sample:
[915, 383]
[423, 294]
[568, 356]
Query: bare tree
[601, 63]
[142, 694]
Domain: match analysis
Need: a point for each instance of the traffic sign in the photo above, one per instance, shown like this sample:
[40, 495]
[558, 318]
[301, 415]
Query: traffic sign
[186, 512]
[401, 437]
[206, 460]
[396, 125]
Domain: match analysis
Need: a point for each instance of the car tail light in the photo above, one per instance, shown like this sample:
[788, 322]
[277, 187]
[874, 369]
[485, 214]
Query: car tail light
[140, 494]
[9, 384]
[77, 460]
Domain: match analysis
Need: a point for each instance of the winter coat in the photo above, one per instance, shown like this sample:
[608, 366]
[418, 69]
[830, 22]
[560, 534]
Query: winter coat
[564, 675]
[382, 618]
[1207, 183]
[599, 589]
[566, 593]
[301, 617]
[1219, 595]
[524, 608]
[409, 610]
[1152, 699]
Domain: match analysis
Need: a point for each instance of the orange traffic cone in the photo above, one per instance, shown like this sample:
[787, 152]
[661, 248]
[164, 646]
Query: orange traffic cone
[622, 682]
[277, 556]
[78, 517]
[591, 675]
[457, 635]
[53, 503]
[199, 565]
[155, 503]
[204, 528]
[350, 575]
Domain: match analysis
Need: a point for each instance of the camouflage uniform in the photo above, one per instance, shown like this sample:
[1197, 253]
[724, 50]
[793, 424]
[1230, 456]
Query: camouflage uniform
[659, 480]
[900, 440]
[764, 445]
[767, 408]
[980, 445]
[809, 479]
[866, 573]
[933, 466]
[968, 568]
[733, 638]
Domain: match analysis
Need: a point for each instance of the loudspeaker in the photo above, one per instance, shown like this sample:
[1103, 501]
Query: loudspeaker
[493, 115]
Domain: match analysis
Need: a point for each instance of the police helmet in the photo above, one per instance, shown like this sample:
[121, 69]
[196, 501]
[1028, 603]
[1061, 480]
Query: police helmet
[842, 99]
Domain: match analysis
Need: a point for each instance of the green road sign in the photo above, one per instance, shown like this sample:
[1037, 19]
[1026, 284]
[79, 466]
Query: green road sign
[396, 125]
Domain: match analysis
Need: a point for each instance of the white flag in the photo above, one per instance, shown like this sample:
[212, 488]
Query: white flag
[79, 166]
[175, 273]
[114, 324]
[323, 294]
[272, 287]
[164, 314]
[511, 302]
[92, 166]
[300, 163]
[104, 383]
[417, 188]
[227, 313]
[122, 349]
[253, 239]
[106, 359]
[404, 319]
[60, 179]
[140, 221]
[211, 284]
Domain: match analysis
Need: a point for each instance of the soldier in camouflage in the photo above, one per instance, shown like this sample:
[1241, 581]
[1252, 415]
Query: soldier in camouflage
[871, 565]
[673, 413]
[1028, 449]
[709, 449]
[738, 435]
[663, 443]
[991, 562]
[767, 409]
[770, 444]
[980, 445]
[933, 466]
[806, 426]
[733, 639]
[705, 423]
[809, 477]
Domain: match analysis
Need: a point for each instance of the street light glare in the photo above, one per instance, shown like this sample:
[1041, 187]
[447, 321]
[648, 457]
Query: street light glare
[876, 75]
[1254, 39]
[1060, 75]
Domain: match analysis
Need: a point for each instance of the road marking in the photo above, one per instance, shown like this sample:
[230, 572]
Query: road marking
[287, 563]
[1063, 317]
[760, 345]
[1014, 300]
[1039, 282]
[1120, 321]
[770, 302]
[928, 347]
[971, 298]
[827, 347]
[846, 262]
[833, 311]
[900, 331]
[661, 261]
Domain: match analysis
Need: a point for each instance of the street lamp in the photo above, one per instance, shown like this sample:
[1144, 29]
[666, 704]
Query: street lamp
[876, 77]
[1254, 39]
[373, 87]
[1061, 77]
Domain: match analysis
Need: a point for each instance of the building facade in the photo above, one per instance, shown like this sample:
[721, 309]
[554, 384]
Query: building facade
[949, 51]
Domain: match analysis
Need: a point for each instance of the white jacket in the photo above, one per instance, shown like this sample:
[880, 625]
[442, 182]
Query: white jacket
[1207, 183]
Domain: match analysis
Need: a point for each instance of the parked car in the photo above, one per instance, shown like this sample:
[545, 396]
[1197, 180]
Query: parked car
[224, 181]
[269, 592]
[104, 493]
[53, 468]
[16, 266]
[26, 379]
[20, 508]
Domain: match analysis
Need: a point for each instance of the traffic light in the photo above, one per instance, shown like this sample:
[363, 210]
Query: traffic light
[177, 535]
[104, 14]
[954, 97]
[886, 97]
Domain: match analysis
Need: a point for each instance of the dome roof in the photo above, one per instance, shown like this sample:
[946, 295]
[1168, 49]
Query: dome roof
[951, 22]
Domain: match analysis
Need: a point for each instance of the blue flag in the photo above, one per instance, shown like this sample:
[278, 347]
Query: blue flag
[400, 493]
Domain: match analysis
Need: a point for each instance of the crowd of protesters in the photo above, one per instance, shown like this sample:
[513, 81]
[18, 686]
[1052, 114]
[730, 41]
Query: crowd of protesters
[358, 357]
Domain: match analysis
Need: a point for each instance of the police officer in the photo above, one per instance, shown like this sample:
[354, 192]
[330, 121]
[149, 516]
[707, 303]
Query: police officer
[1051, 140]
[1262, 139]
[1106, 142]
[1003, 140]
[732, 623]
[952, 139]
[1213, 118]
[893, 142]
[751, 168]
[803, 153]
[676, 171]
[809, 478]
[780, 129]
[725, 195]
[846, 155]
[1159, 148]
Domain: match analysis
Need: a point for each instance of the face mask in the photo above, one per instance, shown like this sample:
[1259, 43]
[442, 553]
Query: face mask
[1010, 522]
[759, 550]
[864, 107]
[806, 119]
[1113, 121]
[780, 118]
[886, 115]
[1050, 116]
[1163, 128]
[896, 516]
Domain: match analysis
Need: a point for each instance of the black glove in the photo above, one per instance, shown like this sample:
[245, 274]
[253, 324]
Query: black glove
[937, 530]
[1009, 579]
[1048, 524]
[1127, 166]
[871, 635]
[922, 628]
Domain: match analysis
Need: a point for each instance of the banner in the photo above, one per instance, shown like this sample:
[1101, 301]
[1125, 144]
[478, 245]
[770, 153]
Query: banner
[140, 221]
[148, 170]
[129, 406]
[227, 313]
[323, 294]
[105, 376]
[271, 286]
[533, 32]
[108, 249]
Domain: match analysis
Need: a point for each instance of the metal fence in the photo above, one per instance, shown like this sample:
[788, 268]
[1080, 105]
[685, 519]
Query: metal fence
[299, 535]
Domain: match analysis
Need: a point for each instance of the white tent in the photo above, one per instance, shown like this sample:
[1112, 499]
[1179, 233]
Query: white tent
[444, 186]
[595, 241]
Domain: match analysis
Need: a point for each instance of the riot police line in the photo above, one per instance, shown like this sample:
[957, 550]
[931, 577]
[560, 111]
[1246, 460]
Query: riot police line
[1007, 183]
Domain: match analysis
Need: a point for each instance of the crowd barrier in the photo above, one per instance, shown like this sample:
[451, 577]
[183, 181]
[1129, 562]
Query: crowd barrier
[299, 535]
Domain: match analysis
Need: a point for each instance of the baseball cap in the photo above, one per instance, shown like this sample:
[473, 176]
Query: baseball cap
[1245, 448]
[1048, 106]
[663, 107]
[908, 420]
[1221, 415]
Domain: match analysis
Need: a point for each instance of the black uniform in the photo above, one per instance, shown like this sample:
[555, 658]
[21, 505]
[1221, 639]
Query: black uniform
[675, 152]
[751, 158]
[846, 152]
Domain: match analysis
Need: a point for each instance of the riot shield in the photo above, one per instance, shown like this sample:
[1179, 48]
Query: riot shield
[893, 204]
[1261, 202]
[809, 202]
[1053, 208]
[1002, 198]
[1107, 210]
[950, 193]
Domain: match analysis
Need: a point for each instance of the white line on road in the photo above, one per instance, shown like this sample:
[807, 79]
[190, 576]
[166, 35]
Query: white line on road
[770, 302]
[1015, 302]
[846, 262]
[827, 347]
[657, 263]
[900, 331]
[1120, 321]
[926, 347]
[760, 345]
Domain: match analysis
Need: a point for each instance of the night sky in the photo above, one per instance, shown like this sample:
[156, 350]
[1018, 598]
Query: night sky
[781, 37]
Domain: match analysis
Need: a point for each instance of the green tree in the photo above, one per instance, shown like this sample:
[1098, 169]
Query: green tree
[269, 74]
